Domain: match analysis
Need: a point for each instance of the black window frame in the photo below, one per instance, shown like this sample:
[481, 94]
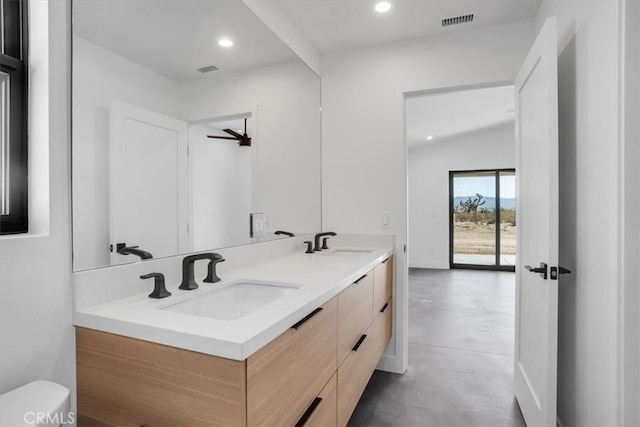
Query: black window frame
[493, 267]
[14, 62]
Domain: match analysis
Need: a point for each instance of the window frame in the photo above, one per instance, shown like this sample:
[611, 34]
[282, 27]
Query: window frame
[15, 64]
[497, 266]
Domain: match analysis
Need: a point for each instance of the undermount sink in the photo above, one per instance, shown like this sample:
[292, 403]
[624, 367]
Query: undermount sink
[348, 252]
[234, 300]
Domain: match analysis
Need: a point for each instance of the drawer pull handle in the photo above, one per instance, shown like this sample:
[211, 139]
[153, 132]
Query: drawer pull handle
[359, 343]
[384, 307]
[305, 318]
[362, 277]
[305, 417]
[385, 261]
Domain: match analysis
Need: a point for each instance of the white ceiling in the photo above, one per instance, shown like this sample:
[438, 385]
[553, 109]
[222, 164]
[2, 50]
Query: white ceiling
[339, 24]
[175, 38]
[449, 114]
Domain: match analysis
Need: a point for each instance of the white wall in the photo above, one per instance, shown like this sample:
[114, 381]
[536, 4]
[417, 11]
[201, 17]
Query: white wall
[364, 155]
[39, 113]
[588, 96]
[221, 190]
[36, 336]
[118, 79]
[286, 183]
[429, 166]
[631, 226]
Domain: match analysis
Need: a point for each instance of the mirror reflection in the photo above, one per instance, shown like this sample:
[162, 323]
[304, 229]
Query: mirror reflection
[194, 128]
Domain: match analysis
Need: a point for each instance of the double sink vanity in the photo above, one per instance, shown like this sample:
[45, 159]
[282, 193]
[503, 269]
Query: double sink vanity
[290, 340]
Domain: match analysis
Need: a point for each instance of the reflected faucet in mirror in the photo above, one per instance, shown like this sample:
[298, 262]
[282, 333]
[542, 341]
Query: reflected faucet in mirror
[286, 233]
[123, 249]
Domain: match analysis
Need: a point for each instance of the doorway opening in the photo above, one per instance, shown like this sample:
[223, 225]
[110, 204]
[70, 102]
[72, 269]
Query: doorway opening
[459, 317]
[482, 219]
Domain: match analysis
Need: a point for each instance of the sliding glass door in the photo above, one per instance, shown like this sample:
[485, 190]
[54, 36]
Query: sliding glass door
[482, 219]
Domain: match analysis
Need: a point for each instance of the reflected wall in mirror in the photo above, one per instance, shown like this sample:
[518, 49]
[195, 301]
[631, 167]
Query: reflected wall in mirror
[150, 85]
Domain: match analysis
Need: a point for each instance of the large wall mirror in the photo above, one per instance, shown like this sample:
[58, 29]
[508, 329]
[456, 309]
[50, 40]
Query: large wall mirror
[181, 144]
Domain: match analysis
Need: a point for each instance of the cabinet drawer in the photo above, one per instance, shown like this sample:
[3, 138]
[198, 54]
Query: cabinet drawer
[355, 313]
[322, 413]
[382, 283]
[286, 375]
[123, 381]
[381, 331]
[356, 370]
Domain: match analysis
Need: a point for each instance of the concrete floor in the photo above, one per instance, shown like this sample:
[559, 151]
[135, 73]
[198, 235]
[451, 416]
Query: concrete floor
[460, 355]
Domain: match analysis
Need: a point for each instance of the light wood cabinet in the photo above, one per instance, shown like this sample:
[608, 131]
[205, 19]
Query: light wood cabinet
[313, 374]
[381, 330]
[324, 414]
[128, 382]
[354, 373]
[286, 375]
[355, 313]
[382, 283]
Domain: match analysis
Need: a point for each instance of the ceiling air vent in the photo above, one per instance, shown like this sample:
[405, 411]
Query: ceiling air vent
[462, 19]
[208, 69]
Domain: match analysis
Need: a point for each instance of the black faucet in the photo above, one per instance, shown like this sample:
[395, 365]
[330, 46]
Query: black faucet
[123, 249]
[324, 243]
[188, 264]
[318, 236]
[159, 289]
[286, 233]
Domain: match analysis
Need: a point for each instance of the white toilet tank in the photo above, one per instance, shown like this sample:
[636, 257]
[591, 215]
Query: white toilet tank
[40, 403]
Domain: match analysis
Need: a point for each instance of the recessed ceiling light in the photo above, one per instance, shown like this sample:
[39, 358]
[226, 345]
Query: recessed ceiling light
[225, 42]
[383, 6]
[429, 138]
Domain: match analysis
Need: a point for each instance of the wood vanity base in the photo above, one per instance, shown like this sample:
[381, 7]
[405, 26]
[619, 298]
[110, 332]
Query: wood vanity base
[124, 381]
[311, 375]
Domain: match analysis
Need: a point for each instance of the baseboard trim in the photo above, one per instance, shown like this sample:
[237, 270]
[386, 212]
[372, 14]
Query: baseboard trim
[434, 265]
[387, 363]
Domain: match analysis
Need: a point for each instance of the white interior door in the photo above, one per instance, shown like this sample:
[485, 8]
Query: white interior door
[536, 339]
[149, 195]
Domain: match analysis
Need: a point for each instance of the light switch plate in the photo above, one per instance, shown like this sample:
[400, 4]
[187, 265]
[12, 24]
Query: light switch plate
[385, 218]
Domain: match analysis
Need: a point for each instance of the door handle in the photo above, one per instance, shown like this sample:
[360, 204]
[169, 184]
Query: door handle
[542, 270]
[562, 270]
[558, 270]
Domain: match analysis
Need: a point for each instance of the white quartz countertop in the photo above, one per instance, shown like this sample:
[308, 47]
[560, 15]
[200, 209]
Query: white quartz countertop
[321, 276]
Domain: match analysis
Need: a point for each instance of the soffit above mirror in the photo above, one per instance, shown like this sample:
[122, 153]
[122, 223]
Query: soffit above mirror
[155, 33]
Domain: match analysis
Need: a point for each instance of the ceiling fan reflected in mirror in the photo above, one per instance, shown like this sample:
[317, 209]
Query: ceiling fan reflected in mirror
[243, 140]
